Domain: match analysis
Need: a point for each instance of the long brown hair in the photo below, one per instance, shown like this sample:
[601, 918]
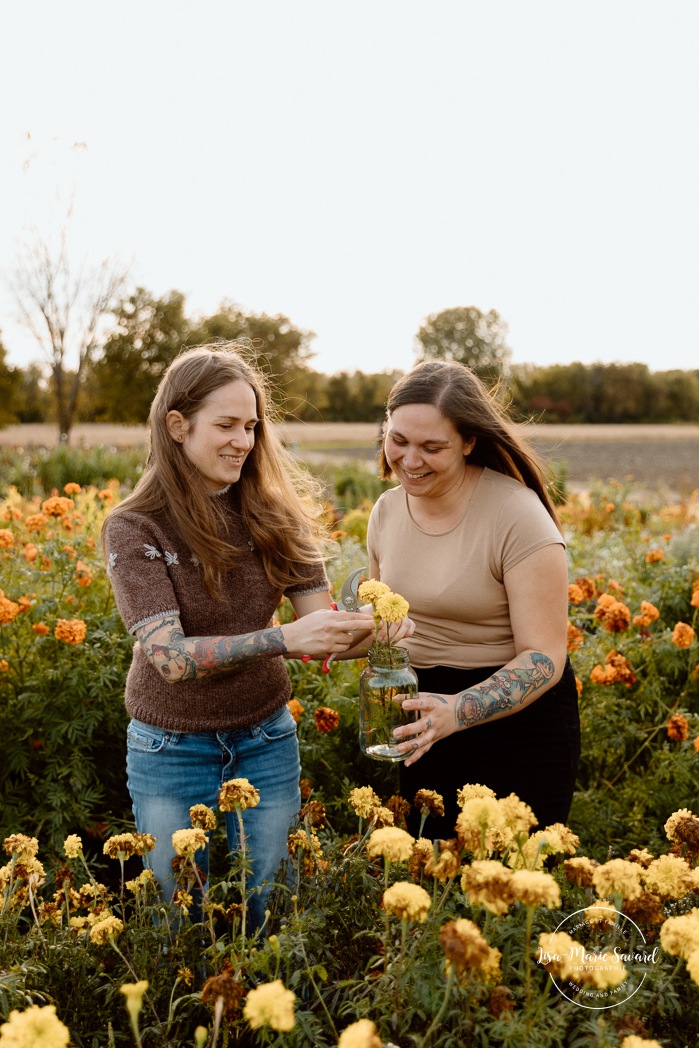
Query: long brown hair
[278, 502]
[462, 398]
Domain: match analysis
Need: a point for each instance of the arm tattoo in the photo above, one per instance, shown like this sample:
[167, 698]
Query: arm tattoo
[502, 692]
[180, 658]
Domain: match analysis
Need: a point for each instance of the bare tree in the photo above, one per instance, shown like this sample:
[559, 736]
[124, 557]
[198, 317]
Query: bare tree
[66, 312]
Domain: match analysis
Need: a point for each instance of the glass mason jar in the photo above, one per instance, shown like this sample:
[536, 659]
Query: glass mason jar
[384, 682]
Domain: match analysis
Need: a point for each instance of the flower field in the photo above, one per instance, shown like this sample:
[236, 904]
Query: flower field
[507, 934]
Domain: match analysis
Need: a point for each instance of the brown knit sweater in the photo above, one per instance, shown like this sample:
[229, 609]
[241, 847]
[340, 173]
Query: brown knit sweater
[152, 575]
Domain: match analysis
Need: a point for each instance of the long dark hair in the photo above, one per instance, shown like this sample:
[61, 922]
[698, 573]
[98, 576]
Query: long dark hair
[278, 502]
[462, 398]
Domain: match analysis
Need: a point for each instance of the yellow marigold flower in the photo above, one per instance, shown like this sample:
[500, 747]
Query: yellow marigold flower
[518, 816]
[133, 992]
[618, 877]
[601, 912]
[489, 883]
[120, 846]
[471, 790]
[679, 936]
[71, 488]
[73, 846]
[669, 876]
[36, 1027]
[479, 816]
[238, 795]
[429, 802]
[534, 888]
[580, 871]
[632, 1041]
[641, 856]
[556, 950]
[145, 879]
[202, 817]
[382, 816]
[105, 929]
[606, 970]
[183, 900]
[654, 555]
[40, 628]
[407, 901]
[364, 800]
[447, 864]
[9, 610]
[463, 944]
[78, 924]
[362, 1034]
[7, 538]
[423, 851]
[326, 719]
[71, 631]
[299, 841]
[692, 968]
[392, 607]
[683, 635]
[393, 843]
[677, 727]
[296, 709]
[270, 1005]
[21, 846]
[57, 506]
[35, 522]
[187, 842]
[372, 590]
[671, 824]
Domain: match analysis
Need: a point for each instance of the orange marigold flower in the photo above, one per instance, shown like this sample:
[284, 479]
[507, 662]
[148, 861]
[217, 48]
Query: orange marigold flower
[575, 637]
[683, 635]
[575, 594]
[617, 670]
[610, 506]
[105, 494]
[30, 552]
[71, 551]
[25, 603]
[71, 488]
[7, 539]
[587, 586]
[326, 719]
[654, 555]
[615, 616]
[579, 686]
[9, 610]
[296, 709]
[40, 628]
[695, 597]
[82, 574]
[35, 522]
[615, 587]
[57, 506]
[649, 613]
[677, 727]
[696, 744]
[4, 665]
[72, 631]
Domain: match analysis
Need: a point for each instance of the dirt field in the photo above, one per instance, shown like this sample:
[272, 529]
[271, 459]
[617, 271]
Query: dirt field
[663, 458]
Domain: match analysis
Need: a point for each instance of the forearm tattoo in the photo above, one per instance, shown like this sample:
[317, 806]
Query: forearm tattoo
[502, 692]
[180, 658]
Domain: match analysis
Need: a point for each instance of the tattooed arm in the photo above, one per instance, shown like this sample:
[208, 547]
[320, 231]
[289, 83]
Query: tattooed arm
[537, 595]
[177, 657]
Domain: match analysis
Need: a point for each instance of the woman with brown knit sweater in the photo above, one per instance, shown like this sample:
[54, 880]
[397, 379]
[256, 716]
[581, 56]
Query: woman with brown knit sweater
[220, 527]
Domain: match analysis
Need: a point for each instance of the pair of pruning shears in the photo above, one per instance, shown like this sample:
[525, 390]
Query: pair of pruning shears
[348, 602]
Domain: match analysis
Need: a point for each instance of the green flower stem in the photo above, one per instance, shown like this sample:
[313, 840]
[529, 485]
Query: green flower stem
[243, 873]
[451, 978]
[312, 981]
[527, 955]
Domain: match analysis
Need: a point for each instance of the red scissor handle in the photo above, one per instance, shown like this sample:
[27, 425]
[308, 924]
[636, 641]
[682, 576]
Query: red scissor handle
[326, 663]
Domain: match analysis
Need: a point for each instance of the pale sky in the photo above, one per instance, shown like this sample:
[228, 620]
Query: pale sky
[359, 164]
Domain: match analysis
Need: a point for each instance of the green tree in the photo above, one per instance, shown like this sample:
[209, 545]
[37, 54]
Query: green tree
[10, 379]
[149, 334]
[469, 336]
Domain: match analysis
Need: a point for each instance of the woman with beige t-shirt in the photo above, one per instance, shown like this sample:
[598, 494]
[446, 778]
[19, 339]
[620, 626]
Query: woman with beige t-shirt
[471, 540]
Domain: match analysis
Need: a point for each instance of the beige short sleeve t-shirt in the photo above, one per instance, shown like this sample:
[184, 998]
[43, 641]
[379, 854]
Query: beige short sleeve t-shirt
[454, 582]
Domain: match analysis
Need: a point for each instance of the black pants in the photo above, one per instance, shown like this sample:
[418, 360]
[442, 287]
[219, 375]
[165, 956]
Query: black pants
[533, 753]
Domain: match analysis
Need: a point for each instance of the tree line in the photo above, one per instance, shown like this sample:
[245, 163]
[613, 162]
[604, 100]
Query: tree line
[139, 334]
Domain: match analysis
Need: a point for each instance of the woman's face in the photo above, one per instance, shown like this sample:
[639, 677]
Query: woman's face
[425, 451]
[221, 435]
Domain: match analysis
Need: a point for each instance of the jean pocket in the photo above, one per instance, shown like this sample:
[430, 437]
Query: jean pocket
[279, 726]
[146, 738]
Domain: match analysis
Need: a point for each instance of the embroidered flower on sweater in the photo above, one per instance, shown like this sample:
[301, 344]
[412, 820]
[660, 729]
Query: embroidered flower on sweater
[151, 551]
[170, 558]
[111, 561]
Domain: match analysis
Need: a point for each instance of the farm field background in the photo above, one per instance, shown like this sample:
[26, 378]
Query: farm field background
[664, 458]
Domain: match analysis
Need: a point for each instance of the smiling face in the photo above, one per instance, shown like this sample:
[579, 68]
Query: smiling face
[425, 450]
[221, 435]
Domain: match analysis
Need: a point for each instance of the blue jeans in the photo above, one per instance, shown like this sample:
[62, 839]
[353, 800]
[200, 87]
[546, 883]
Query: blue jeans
[169, 771]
